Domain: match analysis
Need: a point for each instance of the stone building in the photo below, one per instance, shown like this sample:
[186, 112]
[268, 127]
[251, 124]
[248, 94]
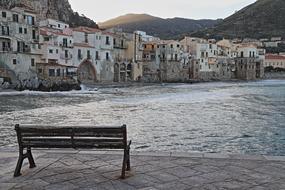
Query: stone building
[248, 64]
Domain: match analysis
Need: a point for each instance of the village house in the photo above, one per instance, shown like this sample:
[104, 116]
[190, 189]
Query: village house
[19, 45]
[248, 64]
[56, 42]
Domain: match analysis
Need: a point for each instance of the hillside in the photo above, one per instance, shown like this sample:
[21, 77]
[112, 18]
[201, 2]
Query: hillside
[170, 28]
[56, 9]
[264, 18]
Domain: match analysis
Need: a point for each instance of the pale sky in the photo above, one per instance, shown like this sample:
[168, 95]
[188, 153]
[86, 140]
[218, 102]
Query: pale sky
[102, 10]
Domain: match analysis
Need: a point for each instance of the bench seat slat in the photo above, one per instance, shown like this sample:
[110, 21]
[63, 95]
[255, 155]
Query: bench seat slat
[76, 139]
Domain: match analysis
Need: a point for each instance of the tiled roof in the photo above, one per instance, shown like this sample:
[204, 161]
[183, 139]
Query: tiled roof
[274, 56]
[46, 32]
[86, 29]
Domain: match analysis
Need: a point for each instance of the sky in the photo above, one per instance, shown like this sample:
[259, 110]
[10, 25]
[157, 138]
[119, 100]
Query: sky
[102, 10]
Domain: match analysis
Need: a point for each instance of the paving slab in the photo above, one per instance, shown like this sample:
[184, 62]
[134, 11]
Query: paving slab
[85, 170]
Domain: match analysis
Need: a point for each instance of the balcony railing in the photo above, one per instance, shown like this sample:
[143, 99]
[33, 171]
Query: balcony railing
[120, 46]
[4, 33]
[64, 56]
[6, 49]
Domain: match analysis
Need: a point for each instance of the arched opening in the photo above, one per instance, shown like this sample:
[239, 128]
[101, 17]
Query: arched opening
[86, 72]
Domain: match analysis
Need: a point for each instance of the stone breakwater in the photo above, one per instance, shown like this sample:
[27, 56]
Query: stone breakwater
[74, 169]
[42, 85]
[274, 75]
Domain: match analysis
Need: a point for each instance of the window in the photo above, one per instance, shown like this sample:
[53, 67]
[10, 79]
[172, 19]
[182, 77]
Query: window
[25, 30]
[178, 45]
[15, 18]
[97, 55]
[114, 41]
[107, 40]
[66, 54]
[58, 72]
[56, 51]
[79, 54]
[58, 25]
[171, 46]
[40, 70]
[30, 20]
[46, 39]
[176, 57]
[14, 61]
[34, 34]
[64, 42]
[20, 30]
[86, 38]
[51, 51]
[4, 14]
[32, 62]
[88, 54]
[107, 56]
[51, 72]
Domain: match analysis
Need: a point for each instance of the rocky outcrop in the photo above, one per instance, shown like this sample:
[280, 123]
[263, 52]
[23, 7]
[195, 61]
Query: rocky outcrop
[56, 9]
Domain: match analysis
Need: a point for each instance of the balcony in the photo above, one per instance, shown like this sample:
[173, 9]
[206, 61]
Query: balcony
[6, 49]
[66, 56]
[121, 46]
[4, 33]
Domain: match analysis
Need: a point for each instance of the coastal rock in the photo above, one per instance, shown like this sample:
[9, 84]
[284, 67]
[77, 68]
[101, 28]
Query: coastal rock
[59, 10]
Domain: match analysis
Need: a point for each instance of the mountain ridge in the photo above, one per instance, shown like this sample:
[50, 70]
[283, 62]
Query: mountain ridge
[262, 19]
[164, 28]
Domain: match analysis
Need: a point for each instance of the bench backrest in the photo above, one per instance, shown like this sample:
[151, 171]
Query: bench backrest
[71, 137]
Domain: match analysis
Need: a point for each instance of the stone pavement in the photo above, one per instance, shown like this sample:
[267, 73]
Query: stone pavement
[67, 169]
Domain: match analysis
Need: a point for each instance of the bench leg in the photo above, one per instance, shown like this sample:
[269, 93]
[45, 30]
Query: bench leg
[128, 160]
[19, 163]
[30, 158]
[124, 165]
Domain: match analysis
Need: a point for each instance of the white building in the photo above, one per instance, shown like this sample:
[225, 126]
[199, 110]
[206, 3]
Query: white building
[19, 47]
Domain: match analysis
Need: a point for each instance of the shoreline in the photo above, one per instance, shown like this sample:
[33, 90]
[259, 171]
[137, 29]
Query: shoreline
[98, 85]
[174, 154]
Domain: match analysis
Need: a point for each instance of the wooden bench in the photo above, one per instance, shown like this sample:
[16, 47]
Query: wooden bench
[36, 136]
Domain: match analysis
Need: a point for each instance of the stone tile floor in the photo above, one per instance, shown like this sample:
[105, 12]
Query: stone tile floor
[61, 169]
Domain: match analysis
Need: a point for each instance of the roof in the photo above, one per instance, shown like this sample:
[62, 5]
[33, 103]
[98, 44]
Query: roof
[86, 29]
[45, 31]
[274, 56]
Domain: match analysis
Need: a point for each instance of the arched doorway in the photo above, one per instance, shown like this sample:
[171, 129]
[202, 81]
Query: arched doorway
[86, 72]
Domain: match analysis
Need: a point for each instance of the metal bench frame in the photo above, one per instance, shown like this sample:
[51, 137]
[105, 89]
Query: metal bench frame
[42, 139]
